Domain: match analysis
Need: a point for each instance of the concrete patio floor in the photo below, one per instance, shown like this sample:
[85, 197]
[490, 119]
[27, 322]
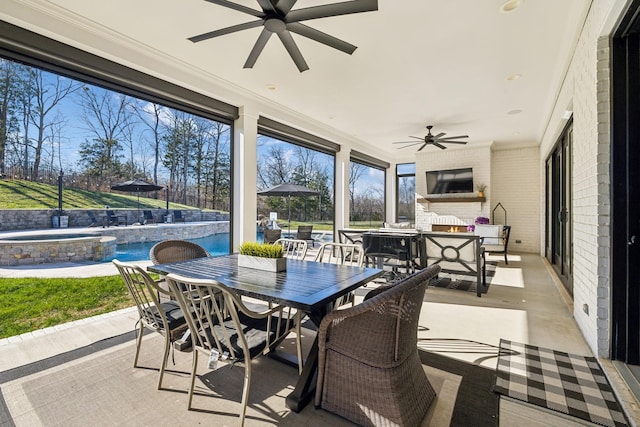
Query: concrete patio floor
[524, 304]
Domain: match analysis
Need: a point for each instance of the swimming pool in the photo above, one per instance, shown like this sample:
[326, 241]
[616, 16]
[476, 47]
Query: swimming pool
[215, 244]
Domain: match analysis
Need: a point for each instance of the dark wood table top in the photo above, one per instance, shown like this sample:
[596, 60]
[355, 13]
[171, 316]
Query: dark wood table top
[306, 285]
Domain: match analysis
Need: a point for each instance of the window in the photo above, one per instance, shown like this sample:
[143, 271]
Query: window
[405, 190]
[366, 196]
[108, 123]
[286, 155]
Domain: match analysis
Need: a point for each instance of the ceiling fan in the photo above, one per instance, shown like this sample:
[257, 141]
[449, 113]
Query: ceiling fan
[430, 139]
[277, 17]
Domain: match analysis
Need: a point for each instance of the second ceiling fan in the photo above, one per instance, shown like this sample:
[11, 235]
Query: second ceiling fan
[430, 139]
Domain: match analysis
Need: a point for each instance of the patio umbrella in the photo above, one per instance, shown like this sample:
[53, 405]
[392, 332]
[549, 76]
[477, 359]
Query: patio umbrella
[136, 186]
[288, 190]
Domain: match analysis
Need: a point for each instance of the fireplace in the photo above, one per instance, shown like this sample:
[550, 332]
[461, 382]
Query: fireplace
[449, 228]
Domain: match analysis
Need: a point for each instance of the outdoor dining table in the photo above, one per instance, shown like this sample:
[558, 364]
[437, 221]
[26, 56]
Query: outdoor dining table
[306, 285]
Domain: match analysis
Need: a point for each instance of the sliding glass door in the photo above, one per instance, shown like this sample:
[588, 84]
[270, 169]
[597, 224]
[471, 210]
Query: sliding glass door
[558, 208]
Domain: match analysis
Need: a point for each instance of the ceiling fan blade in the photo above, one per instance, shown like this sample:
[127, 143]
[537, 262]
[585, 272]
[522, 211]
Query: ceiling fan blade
[257, 48]
[421, 138]
[440, 146]
[238, 7]
[452, 137]
[320, 37]
[267, 6]
[451, 142]
[410, 143]
[438, 136]
[228, 30]
[284, 6]
[335, 9]
[423, 145]
[292, 48]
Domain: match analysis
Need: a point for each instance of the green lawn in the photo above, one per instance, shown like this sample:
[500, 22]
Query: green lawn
[27, 304]
[17, 194]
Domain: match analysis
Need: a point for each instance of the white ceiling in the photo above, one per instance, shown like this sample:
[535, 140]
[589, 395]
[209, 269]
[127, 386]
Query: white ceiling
[418, 62]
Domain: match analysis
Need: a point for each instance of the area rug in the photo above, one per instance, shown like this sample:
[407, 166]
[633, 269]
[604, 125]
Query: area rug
[97, 385]
[474, 398]
[464, 280]
[567, 383]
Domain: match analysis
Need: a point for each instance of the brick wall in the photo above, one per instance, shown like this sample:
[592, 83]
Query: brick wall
[515, 179]
[478, 158]
[585, 91]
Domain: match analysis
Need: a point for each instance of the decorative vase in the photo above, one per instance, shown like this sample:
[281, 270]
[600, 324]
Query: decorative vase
[260, 263]
[480, 193]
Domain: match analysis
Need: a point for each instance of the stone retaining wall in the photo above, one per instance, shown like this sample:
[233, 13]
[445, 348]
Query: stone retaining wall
[28, 252]
[34, 219]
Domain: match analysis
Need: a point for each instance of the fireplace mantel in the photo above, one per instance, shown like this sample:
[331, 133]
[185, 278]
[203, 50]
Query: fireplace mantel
[445, 199]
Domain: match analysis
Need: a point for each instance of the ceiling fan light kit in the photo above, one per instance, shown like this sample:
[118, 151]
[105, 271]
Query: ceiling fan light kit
[277, 17]
[430, 139]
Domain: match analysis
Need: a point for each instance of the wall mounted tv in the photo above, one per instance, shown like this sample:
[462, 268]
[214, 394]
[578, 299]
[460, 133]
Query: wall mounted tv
[450, 181]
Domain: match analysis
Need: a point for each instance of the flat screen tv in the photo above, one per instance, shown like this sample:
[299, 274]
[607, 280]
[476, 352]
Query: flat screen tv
[450, 181]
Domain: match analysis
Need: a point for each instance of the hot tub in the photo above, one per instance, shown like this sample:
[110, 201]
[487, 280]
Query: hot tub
[43, 248]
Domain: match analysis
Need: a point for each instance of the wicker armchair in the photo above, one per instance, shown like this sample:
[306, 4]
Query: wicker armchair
[369, 370]
[176, 250]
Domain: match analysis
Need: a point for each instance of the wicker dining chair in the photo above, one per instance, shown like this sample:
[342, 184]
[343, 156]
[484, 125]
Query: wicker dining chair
[227, 328]
[165, 318]
[369, 369]
[176, 250]
[293, 248]
[271, 236]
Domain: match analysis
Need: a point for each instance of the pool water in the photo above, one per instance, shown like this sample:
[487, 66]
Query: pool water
[216, 244]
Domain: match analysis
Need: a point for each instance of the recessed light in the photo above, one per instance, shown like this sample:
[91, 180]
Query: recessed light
[514, 112]
[514, 77]
[510, 6]
[271, 87]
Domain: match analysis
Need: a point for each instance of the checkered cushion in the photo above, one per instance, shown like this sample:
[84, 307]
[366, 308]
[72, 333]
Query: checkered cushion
[573, 385]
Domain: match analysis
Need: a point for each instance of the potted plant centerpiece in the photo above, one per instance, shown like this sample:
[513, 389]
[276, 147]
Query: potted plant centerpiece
[481, 188]
[262, 256]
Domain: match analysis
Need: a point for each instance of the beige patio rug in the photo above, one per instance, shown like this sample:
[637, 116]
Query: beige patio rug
[97, 385]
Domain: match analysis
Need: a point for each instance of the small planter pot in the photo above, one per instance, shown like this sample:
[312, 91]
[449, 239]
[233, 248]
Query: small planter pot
[259, 263]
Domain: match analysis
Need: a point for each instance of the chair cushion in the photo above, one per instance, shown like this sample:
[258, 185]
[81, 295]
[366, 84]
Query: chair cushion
[492, 234]
[172, 311]
[255, 331]
[401, 225]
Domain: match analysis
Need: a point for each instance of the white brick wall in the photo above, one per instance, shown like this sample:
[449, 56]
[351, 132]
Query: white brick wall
[512, 177]
[478, 158]
[515, 178]
[586, 91]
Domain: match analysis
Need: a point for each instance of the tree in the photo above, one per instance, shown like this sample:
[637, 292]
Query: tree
[107, 119]
[152, 116]
[9, 76]
[356, 170]
[48, 91]
[218, 166]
